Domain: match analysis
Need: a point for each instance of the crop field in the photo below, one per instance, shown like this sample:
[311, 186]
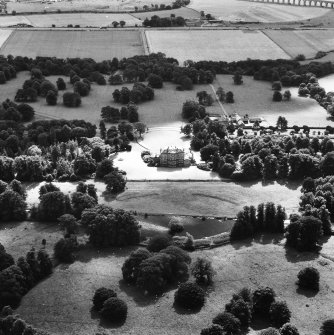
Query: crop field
[225, 45]
[62, 20]
[306, 42]
[234, 10]
[185, 12]
[255, 99]
[79, 5]
[100, 45]
[67, 294]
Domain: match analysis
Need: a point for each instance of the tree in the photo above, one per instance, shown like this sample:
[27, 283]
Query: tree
[6, 260]
[327, 164]
[104, 168]
[112, 228]
[26, 111]
[51, 98]
[71, 99]
[229, 97]
[213, 330]
[114, 310]
[287, 95]
[327, 327]
[203, 271]
[81, 201]
[140, 127]
[12, 206]
[158, 242]
[69, 224]
[84, 165]
[310, 232]
[277, 96]
[130, 268]
[101, 295]
[189, 296]
[155, 81]
[45, 263]
[279, 313]
[230, 324]
[282, 123]
[192, 109]
[288, 329]
[6, 168]
[17, 187]
[64, 248]
[61, 85]
[308, 278]
[122, 23]
[263, 297]
[115, 182]
[276, 86]
[237, 78]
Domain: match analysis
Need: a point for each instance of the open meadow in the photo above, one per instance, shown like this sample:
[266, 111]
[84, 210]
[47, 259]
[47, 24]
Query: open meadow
[65, 297]
[305, 42]
[254, 98]
[225, 45]
[62, 20]
[100, 45]
[234, 10]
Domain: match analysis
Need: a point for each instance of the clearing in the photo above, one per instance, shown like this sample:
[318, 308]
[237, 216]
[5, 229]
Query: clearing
[62, 20]
[100, 45]
[234, 10]
[254, 98]
[67, 293]
[216, 45]
[306, 42]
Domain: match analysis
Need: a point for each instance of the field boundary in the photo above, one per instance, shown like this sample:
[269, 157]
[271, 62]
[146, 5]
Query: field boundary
[5, 42]
[145, 43]
[271, 39]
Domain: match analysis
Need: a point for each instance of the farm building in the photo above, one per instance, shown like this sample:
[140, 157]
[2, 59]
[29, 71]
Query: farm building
[173, 157]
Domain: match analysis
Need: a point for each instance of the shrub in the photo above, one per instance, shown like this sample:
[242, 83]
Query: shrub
[308, 278]
[213, 330]
[289, 329]
[101, 295]
[203, 271]
[114, 310]
[190, 296]
[175, 227]
[262, 299]
[158, 242]
[230, 324]
[64, 248]
[327, 328]
[269, 331]
[279, 313]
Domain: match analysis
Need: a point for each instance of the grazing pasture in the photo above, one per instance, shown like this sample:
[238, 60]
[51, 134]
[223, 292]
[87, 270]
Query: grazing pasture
[234, 10]
[67, 294]
[99, 45]
[306, 42]
[62, 20]
[255, 99]
[225, 45]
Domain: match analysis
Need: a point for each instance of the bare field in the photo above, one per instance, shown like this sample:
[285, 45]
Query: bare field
[306, 42]
[66, 295]
[224, 45]
[255, 98]
[62, 20]
[234, 10]
[100, 45]
[79, 5]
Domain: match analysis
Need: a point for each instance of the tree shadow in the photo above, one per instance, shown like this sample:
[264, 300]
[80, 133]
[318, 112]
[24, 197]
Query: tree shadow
[268, 238]
[94, 314]
[295, 256]
[185, 311]
[242, 243]
[111, 325]
[138, 296]
[307, 293]
[259, 323]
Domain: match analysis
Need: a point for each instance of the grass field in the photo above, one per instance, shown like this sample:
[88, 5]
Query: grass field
[61, 304]
[225, 45]
[185, 12]
[100, 45]
[62, 20]
[79, 5]
[234, 10]
[306, 42]
[4, 34]
[255, 98]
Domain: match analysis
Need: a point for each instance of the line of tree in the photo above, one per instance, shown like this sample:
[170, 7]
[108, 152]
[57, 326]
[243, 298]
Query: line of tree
[172, 21]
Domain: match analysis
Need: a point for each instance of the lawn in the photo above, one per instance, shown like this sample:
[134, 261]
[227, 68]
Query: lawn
[61, 304]
[216, 45]
[62, 20]
[99, 45]
[306, 42]
[234, 10]
[255, 98]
